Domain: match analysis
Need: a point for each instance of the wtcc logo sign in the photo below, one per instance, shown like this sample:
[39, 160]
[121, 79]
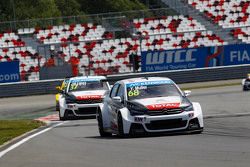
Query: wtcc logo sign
[172, 59]
[180, 56]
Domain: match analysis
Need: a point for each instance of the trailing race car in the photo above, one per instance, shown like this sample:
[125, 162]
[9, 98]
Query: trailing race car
[61, 89]
[82, 96]
[246, 83]
[148, 105]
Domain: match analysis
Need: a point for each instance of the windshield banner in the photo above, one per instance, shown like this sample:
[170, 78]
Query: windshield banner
[9, 72]
[148, 83]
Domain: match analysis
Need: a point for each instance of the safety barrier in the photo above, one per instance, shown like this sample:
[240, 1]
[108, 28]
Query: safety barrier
[179, 76]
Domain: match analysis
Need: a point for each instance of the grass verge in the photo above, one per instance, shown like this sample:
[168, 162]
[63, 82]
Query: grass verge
[10, 129]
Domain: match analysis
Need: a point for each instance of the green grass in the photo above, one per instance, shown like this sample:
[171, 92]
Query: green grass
[10, 129]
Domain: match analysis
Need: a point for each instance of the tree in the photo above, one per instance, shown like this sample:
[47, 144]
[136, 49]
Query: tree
[29, 9]
[69, 7]
[6, 11]
[104, 6]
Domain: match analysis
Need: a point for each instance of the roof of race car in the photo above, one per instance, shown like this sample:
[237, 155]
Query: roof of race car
[88, 78]
[145, 79]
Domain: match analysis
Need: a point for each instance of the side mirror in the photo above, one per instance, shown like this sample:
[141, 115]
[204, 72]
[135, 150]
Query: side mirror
[117, 99]
[187, 93]
[58, 88]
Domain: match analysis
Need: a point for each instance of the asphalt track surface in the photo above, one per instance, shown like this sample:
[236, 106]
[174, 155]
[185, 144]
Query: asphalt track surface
[27, 107]
[225, 141]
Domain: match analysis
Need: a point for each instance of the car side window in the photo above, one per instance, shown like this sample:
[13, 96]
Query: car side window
[65, 84]
[120, 92]
[114, 90]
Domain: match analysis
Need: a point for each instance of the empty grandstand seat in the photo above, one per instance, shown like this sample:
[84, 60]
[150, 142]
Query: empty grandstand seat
[228, 14]
[10, 40]
[72, 33]
[101, 57]
[163, 25]
[242, 34]
[28, 59]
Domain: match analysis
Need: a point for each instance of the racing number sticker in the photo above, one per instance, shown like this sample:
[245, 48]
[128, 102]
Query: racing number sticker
[133, 92]
[73, 86]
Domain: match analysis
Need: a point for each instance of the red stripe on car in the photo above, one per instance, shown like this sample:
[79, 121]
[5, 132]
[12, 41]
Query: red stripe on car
[89, 97]
[163, 106]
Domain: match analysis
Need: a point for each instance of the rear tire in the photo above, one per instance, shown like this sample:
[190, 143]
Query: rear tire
[100, 126]
[120, 125]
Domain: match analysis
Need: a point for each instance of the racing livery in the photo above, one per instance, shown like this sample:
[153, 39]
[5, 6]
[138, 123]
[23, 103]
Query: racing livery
[148, 105]
[82, 96]
[246, 83]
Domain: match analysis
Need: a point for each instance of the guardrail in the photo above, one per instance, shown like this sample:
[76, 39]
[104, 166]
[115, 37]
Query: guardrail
[179, 76]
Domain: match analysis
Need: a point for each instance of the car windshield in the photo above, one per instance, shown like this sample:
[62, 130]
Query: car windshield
[64, 84]
[82, 85]
[148, 90]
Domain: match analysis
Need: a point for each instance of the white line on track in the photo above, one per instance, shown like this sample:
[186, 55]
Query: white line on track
[2, 153]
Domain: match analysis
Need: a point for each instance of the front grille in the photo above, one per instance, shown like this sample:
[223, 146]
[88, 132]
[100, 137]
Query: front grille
[89, 101]
[166, 124]
[165, 112]
[86, 111]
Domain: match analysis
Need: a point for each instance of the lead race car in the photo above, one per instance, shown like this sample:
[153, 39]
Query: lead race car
[82, 97]
[148, 105]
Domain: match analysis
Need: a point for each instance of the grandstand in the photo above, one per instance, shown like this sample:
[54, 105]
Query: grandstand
[94, 48]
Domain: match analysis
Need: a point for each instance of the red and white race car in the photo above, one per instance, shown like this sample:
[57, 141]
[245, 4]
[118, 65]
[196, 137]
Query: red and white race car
[82, 97]
[148, 105]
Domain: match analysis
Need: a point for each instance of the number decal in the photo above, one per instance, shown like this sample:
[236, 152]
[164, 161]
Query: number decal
[73, 86]
[133, 93]
[136, 92]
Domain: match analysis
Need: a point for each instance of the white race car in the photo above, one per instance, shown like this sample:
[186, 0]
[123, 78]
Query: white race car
[148, 105]
[82, 97]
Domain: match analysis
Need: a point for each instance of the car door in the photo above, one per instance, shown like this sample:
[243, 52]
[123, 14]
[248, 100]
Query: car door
[110, 104]
[116, 106]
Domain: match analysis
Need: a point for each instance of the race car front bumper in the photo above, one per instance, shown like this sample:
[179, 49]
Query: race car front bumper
[83, 110]
[246, 86]
[185, 121]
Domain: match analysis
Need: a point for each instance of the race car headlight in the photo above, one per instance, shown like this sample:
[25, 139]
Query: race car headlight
[136, 109]
[70, 99]
[186, 105]
[188, 108]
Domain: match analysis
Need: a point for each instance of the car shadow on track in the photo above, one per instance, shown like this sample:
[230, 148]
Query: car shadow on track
[115, 137]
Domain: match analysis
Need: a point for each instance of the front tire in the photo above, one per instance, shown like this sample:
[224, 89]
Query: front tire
[100, 126]
[245, 88]
[120, 125]
[64, 117]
